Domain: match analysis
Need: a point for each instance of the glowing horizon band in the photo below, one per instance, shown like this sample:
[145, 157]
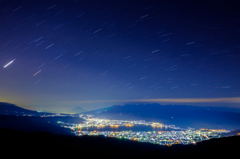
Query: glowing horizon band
[174, 100]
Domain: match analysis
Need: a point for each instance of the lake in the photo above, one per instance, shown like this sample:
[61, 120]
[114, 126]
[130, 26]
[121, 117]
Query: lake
[126, 128]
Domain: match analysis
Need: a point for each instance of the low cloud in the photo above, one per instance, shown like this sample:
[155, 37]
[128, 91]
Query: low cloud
[171, 100]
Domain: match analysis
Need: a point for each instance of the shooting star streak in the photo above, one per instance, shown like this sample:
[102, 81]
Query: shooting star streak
[37, 73]
[8, 64]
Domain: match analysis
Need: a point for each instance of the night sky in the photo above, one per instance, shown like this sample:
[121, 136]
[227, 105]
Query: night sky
[56, 55]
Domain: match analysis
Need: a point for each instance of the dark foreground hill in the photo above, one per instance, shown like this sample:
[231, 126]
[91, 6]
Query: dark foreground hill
[11, 109]
[45, 143]
[32, 123]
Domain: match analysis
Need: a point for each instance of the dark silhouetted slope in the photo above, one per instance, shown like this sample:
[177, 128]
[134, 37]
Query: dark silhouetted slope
[49, 144]
[11, 109]
[31, 124]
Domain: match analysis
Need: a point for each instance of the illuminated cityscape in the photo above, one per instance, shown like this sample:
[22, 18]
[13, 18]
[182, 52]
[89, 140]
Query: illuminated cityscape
[168, 138]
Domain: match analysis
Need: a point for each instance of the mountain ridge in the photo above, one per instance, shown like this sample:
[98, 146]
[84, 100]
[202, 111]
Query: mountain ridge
[182, 116]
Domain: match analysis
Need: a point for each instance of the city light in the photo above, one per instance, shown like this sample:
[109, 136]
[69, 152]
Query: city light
[168, 138]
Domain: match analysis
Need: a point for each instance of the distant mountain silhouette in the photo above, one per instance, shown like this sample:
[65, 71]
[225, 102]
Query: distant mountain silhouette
[57, 145]
[179, 115]
[97, 111]
[12, 109]
[77, 110]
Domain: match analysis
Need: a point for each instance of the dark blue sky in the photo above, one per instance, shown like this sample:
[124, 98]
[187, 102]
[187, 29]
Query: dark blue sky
[94, 54]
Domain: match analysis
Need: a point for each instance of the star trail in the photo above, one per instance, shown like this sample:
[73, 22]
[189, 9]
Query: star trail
[8, 64]
[55, 54]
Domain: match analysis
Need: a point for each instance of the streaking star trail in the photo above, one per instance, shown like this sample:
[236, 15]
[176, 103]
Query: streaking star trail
[8, 64]
[37, 73]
